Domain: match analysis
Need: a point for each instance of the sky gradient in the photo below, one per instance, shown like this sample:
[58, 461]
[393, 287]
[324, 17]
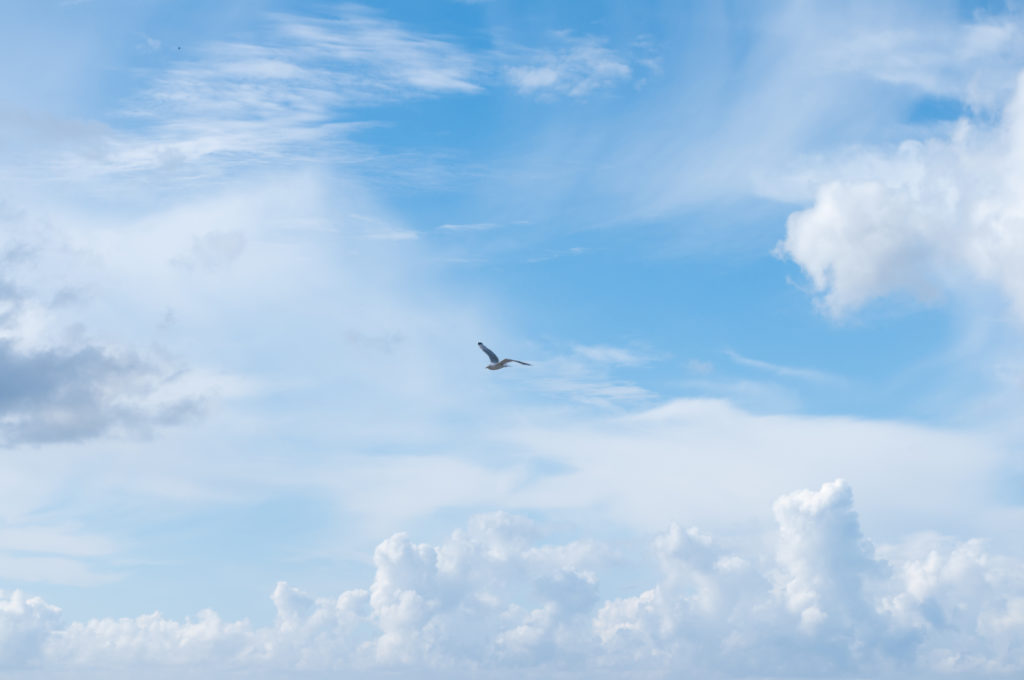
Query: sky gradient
[764, 259]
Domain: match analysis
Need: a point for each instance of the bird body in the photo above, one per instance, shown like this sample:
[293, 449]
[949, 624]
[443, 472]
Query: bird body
[495, 362]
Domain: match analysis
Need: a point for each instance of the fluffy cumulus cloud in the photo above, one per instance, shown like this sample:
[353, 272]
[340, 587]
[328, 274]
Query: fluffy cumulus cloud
[926, 219]
[25, 624]
[816, 600]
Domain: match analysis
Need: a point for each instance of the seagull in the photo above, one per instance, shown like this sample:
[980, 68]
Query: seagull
[495, 364]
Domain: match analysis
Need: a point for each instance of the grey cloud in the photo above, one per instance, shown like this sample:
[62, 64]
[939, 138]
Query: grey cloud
[69, 395]
[65, 387]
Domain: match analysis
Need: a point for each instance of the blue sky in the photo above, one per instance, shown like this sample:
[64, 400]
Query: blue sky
[763, 260]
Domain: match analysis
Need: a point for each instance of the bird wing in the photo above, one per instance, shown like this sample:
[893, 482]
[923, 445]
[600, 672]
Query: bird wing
[491, 355]
[518, 361]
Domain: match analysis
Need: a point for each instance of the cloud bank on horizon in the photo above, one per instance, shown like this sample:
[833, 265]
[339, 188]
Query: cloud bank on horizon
[823, 601]
[746, 250]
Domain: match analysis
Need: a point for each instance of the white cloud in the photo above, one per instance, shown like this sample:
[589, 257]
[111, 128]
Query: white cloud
[779, 369]
[928, 219]
[59, 386]
[34, 552]
[394, 235]
[604, 354]
[475, 226]
[277, 98]
[715, 463]
[59, 540]
[813, 77]
[25, 624]
[822, 558]
[586, 375]
[577, 68]
[824, 598]
[973, 62]
[574, 251]
[823, 602]
[151, 640]
[395, 59]
[245, 299]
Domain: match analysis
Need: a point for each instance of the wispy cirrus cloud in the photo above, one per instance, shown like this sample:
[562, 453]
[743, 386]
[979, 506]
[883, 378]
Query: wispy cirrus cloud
[282, 97]
[610, 355]
[473, 226]
[780, 369]
[278, 97]
[972, 61]
[388, 59]
[793, 92]
[33, 552]
[588, 375]
[575, 67]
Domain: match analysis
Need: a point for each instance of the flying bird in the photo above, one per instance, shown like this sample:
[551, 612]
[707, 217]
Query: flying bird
[495, 363]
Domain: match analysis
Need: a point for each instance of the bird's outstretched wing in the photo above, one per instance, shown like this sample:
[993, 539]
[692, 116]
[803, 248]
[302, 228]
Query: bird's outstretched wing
[504, 362]
[491, 355]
